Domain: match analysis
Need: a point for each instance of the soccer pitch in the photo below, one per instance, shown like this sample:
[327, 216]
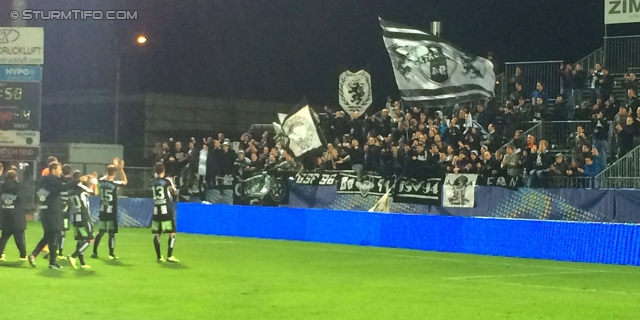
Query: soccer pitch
[236, 278]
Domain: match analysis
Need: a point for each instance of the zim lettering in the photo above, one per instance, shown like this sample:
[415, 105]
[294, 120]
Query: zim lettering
[624, 6]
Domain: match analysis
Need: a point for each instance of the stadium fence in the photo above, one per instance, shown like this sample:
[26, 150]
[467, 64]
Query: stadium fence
[532, 72]
[624, 173]
[589, 62]
[621, 53]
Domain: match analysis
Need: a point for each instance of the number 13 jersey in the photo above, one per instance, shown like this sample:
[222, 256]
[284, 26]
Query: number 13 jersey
[162, 199]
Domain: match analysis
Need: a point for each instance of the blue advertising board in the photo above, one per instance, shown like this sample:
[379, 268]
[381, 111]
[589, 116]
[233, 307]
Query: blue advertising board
[593, 242]
[21, 73]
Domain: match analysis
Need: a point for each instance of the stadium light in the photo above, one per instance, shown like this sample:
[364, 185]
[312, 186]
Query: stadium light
[142, 39]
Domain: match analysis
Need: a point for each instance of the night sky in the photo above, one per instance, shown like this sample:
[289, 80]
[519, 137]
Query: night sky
[281, 50]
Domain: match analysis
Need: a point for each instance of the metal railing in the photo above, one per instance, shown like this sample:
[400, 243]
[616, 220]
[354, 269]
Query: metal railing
[589, 62]
[627, 167]
[532, 72]
[500, 93]
[619, 182]
[139, 182]
[573, 182]
[535, 130]
[557, 132]
[622, 53]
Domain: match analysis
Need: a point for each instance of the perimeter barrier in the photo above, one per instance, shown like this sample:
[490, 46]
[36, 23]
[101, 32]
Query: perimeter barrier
[565, 241]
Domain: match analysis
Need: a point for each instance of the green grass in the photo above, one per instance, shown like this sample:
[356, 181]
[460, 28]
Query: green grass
[234, 278]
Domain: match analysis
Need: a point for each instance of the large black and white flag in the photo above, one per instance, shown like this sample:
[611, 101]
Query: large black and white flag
[302, 130]
[431, 71]
[354, 91]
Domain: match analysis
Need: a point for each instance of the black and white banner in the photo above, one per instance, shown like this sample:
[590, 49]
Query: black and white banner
[354, 91]
[317, 179]
[459, 190]
[418, 191]
[505, 181]
[368, 185]
[432, 71]
[225, 182]
[261, 189]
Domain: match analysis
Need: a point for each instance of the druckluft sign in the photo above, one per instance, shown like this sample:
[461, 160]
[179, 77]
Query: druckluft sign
[24, 46]
[621, 11]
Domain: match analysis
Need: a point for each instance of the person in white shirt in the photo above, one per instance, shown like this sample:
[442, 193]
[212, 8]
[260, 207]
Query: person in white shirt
[202, 169]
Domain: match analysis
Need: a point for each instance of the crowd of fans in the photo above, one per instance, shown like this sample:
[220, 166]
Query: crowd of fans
[214, 162]
[418, 142]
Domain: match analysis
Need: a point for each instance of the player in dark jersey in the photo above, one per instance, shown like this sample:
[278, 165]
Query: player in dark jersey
[108, 188]
[50, 201]
[164, 218]
[66, 214]
[12, 219]
[79, 198]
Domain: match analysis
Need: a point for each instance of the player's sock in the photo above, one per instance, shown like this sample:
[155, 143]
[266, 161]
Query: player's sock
[172, 242]
[75, 253]
[81, 258]
[97, 242]
[82, 246]
[62, 240]
[156, 244]
[112, 244]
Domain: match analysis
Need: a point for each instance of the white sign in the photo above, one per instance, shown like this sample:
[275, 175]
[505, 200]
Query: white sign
[459, 190]
[621, 11]
[23, 46]
[19, 138]
[354, 91]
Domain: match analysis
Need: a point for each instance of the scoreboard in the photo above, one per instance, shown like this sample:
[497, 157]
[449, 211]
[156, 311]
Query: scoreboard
[20, 105]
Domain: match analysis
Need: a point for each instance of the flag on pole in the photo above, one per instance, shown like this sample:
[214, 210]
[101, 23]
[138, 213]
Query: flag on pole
[302, 129]
[432, 71]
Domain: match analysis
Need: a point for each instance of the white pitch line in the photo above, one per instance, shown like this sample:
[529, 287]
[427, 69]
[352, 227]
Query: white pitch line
[523, 275]
[556, 287]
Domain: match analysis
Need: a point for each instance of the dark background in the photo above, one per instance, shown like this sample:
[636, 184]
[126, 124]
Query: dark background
[281, 50]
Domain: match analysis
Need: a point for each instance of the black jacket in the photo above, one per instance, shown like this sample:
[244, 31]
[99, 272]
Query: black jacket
[600, 129]
[559, 169]
[12, 216]
[356, 155]
[49, 191]
[625, 138]
[606, 87]
[579, 80]
[633, 104]
[546, 160]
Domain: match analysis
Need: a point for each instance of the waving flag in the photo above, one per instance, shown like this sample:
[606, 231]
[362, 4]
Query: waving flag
[432, 71]
[302, 128]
